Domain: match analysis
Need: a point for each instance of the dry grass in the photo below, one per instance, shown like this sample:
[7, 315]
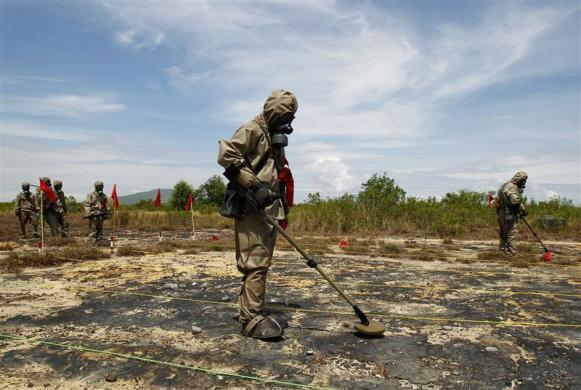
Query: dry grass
[318, 358]
[381, 370]
[424, 256]
[447, 241]
[59, 242]
[525, 247]
[8, 245]
[15, 262]
[519, 262]
[389, 247]
[129, 251]
[490, 255]
[82, 253]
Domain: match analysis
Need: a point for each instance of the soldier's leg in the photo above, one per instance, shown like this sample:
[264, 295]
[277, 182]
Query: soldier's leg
[51, 220]
[99, 228]
[501, 233]
[255, 240]
[22, 221]
[92, 229]
[65, 226]
[511, 232]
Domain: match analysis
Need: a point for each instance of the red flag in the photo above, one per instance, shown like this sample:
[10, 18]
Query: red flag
[285, 177]
[157, 201]
[115, 197]
[343, 244]
[189, 203]
[215, 238]
[50, 195]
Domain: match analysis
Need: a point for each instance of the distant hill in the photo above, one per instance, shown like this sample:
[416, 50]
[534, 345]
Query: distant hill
[134, 198]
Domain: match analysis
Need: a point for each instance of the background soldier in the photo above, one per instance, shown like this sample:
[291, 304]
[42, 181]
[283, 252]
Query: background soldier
[97, 212]
[26, 210]
[252, 159]
[509, 207]
[49, 213]
[61, 209]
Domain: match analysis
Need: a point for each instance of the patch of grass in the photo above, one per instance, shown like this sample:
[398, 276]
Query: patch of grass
[381, 370]
[410, 244]
[490, 255]
[447, 241]
[423, 256]
[14, 262]
[82, 253]
[519, 262]
[190, 251]
[525, 247]
[59, 242]
[8, 246]
[318, 358]
[390, 247]
[129, 251]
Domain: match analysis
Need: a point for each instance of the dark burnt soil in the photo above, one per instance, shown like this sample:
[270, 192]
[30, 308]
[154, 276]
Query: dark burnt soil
[96, 304]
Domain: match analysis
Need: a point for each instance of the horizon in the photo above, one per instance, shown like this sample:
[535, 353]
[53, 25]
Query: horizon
[441, 97]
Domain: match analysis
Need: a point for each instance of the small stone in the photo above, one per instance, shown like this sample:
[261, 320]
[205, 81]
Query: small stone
[171, 286]
[447, 327]
[196, 329]
[346, 325]
[194, 283]
[220, 377]
[111, 378]
[491, 349]
[225, 298]
[30, 384]
[310, 352]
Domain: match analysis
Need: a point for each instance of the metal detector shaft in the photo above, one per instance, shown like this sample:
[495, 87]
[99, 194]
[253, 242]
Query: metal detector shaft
[313, 264]
[535, 234]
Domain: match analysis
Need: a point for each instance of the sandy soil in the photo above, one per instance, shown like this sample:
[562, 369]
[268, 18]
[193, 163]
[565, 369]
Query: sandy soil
[452, 322]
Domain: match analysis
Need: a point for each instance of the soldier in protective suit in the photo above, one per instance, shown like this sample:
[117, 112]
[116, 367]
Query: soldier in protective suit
[26, 210]
[252, 159]
[96, 211]
[49, 214]
[510, 207]
[61, 209]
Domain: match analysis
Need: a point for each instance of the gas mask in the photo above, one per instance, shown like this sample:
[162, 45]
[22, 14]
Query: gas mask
[280, 130]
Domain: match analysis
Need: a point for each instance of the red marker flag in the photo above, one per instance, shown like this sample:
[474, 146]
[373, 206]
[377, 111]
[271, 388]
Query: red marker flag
[157, 201]
[189, 203]
[50, 195]
[115, 197]
[343, 244]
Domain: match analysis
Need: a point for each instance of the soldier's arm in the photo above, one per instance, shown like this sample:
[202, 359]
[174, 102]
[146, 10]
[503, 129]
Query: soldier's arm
[17, 203]
[513, 195]
[89, 204]
[231, 155]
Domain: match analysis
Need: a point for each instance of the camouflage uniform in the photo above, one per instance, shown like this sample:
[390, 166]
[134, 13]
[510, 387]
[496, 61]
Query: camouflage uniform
[61, 209]
[509, 207]
[249, 151]
[26, 210]
[96, 211]
[49, 214]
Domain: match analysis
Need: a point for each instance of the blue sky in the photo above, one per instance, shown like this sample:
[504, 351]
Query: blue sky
[442, 96]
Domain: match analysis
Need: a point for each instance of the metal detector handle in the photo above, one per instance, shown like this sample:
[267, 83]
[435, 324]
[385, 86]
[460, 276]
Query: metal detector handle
[535, 234]
[313, 264]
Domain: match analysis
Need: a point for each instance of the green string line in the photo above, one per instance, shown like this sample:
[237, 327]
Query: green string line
[159, 362]
[381, 315]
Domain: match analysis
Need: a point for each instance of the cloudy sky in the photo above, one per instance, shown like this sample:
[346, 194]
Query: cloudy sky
[440, 95]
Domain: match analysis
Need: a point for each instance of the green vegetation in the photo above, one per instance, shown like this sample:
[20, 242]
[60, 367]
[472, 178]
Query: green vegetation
[382, 208]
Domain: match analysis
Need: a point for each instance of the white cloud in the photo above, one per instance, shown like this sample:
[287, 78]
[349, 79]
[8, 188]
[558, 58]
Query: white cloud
[68, 105]
[332, 175]
[139, 39]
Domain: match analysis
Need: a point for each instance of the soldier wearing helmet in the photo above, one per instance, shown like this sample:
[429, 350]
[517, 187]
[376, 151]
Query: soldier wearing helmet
[253, 159]
[61, 209]
[96, 212]
[49, 214]
[509, 208]
[26, 210]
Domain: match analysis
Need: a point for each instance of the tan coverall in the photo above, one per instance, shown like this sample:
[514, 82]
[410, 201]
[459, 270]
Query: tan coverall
[509, 203]
[255, 238]
[26, 212]
[95, 204]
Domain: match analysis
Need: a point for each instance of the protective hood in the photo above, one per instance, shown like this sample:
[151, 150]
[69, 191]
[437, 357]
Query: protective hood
[278, 103]
[519, 177]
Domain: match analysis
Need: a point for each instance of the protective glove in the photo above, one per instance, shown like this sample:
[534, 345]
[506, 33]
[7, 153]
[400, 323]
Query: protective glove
[522, 212]
[261, 195]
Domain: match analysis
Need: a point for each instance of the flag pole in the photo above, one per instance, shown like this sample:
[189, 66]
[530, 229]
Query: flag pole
[193, 224]
[113, 234]
[41, 222]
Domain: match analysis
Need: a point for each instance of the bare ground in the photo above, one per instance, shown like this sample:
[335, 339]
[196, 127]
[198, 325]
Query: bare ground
[453, 320]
